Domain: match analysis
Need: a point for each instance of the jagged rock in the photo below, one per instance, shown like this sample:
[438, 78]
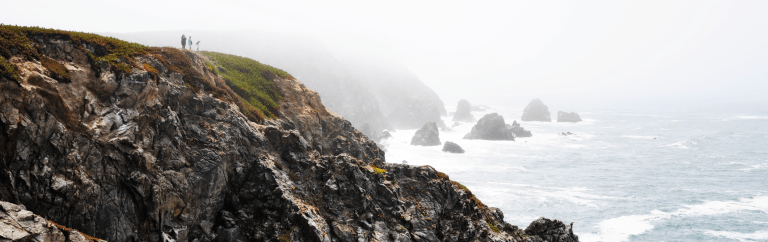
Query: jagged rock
[428, 135]
[568, 117]
[463, 112]
[491, 127]
[144, 155]
[18, 224]
[385, 135]
[552, 230]
[452, 147]
[536, 111]
[520, 132]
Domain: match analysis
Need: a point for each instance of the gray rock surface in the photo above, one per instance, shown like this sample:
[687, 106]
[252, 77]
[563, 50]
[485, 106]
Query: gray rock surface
[428, 135]
[491, 127]
[452, 147]
[143, 157]
[536, 111]
[463, 112]
[520, 132]
[552, 230]
[19, 224]
[568, 117]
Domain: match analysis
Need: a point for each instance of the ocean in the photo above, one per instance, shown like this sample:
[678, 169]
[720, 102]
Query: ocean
[621, 176]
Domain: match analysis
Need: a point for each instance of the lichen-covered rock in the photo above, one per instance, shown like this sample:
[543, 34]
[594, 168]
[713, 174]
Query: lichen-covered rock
[19, 224]
[568, 117]
[491, 127]
[428, 135]
[463, 112]
[536, 111]
[144, 156]
[452, 147]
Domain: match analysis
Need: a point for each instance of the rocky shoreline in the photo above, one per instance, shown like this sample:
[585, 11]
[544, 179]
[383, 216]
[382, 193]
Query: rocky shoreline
[158, 152]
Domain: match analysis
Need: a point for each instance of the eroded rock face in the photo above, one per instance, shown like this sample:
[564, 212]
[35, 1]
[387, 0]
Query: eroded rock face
[144, 157]
[452, 148]
[491, 127]
[428, 135]
[568, 117]
[19, 224]
[536, 111]
[463, 112]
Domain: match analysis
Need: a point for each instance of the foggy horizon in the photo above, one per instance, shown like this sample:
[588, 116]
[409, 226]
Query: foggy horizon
[573, 56]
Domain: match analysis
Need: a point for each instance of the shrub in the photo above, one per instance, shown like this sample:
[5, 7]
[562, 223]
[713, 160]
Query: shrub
[58, 71]
[9, 70]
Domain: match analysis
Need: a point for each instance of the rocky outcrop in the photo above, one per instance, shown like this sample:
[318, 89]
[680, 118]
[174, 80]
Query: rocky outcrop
[491, 127]
[568, 117]
[552, 230]
[125, 152]
[452, 147]
[519, 131]
[463, 112]
[428, 135]
[536, 111]
[18, 224]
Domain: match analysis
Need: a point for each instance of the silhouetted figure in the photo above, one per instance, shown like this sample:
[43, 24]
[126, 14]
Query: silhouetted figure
[190, 42]
[198, 45]
[183, 41]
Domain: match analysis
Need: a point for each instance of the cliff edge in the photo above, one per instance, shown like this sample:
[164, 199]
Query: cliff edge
[129, 143]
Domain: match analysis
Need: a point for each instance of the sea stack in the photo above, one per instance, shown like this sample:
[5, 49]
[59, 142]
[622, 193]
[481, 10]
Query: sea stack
[536, 111]
[463, 112]
[428, 135]
[491, 127]
[452, 147]
[568, 117]
[519, 131]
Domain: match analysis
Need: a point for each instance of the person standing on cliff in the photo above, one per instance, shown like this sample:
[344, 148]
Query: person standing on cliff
[183, 41]
[198, 45]
[190, 42]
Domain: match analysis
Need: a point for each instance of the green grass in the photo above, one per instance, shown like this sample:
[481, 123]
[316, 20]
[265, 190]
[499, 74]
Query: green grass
[9, 70]
[251, 81]
[115, 53]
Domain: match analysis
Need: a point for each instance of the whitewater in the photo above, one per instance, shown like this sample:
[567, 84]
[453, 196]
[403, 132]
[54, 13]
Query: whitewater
[621, 176]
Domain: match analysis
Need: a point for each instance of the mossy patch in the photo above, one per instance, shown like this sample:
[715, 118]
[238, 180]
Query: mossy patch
[9, 70]
[253, 82]
[114, 53]
[57, 70]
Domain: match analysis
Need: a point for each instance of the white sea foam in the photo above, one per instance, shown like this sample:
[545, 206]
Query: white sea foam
[679, 144]
[755, 167]
[752, 117]
[761, 235]
[621, 228]
[638, 137]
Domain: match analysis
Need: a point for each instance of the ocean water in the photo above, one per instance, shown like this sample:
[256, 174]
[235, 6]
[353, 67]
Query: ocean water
[623, 176]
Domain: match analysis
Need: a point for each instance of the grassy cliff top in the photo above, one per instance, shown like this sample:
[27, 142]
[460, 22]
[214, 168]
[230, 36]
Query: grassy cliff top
[251, 80]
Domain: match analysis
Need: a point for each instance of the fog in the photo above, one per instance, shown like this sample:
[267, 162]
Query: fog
[573, 55]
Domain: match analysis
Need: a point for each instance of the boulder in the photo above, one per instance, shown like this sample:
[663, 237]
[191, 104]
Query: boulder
[428, 135]
[491, 127]
[19, 224]
[463, 112]
[552, 230]
[519, 131]
[568, 117]
[536, 111]
[452, 147]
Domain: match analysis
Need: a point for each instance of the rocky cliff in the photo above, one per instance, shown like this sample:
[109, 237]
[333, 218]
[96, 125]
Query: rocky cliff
[130, 143]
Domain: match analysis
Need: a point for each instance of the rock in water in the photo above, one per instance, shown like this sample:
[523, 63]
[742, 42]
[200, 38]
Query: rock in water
[552, 230]
[156, 146]
[491, 127]
[520, 132]
[452, 147]
[428, 135]
[536, 111]
[463, 112]
[568, 117]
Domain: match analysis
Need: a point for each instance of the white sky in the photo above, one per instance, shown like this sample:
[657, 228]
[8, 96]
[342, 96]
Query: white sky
[569, 52]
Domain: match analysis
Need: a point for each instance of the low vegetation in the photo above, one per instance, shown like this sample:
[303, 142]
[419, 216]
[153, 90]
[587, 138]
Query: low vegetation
[250, 80]
[116, 54]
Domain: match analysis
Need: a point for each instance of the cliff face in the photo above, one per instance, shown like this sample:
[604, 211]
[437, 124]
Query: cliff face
[154, 144]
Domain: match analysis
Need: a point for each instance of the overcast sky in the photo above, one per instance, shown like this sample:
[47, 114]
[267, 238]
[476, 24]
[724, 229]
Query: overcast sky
[493, 51]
